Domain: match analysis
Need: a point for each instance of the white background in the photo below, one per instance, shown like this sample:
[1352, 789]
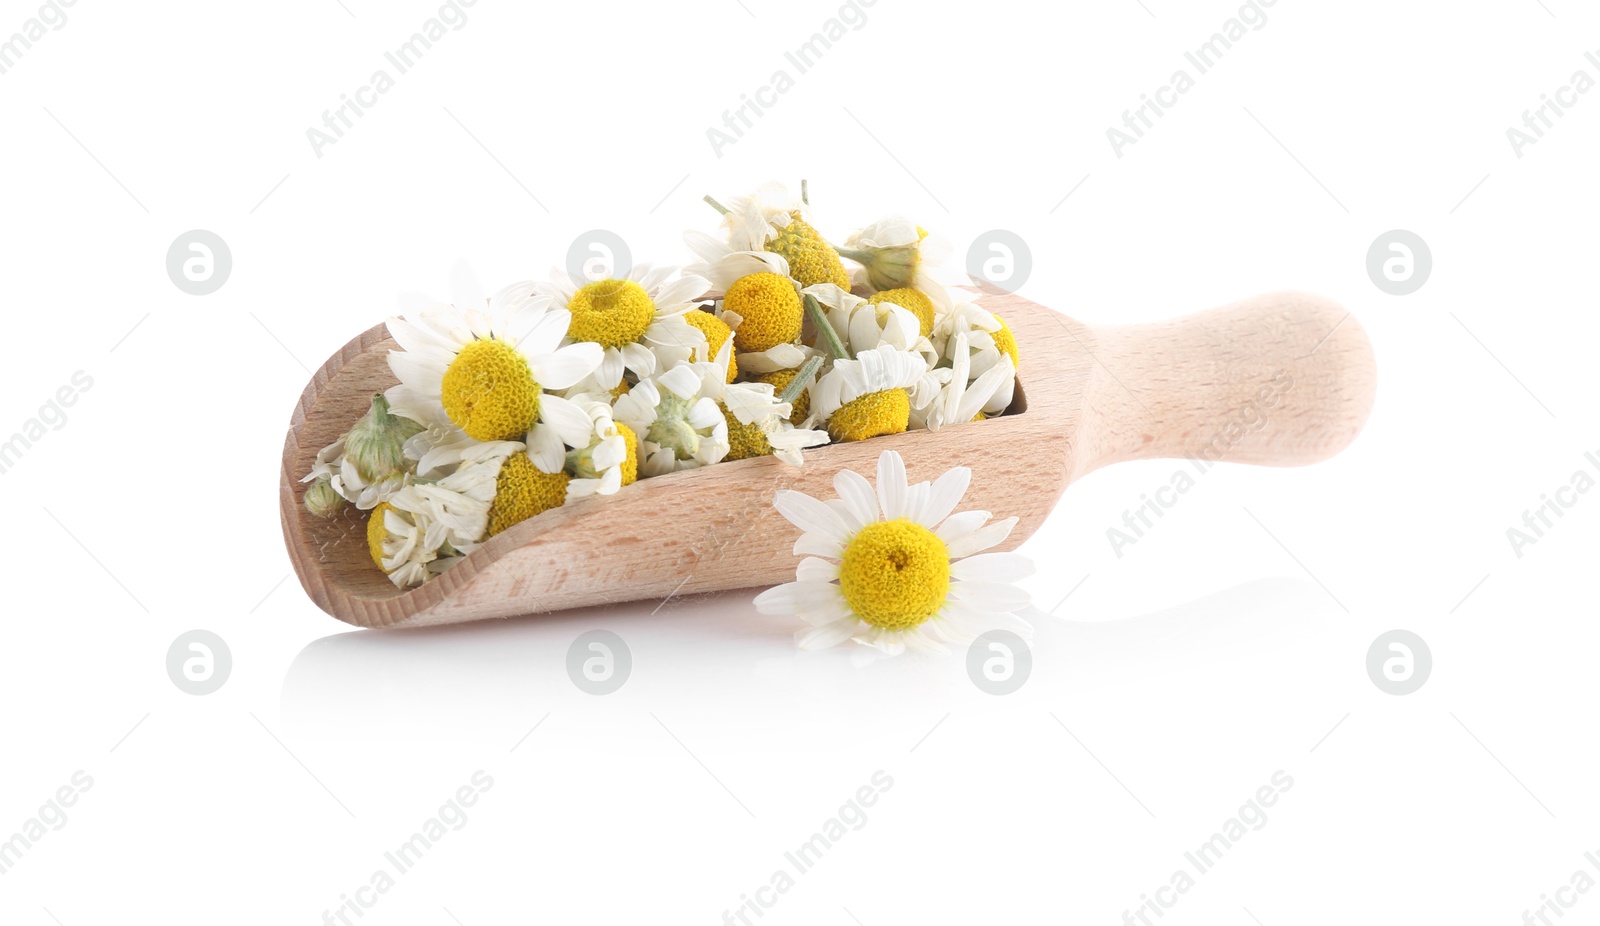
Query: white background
[1172, 684]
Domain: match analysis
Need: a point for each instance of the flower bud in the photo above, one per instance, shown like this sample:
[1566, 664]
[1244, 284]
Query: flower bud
[322, 500]
[376, 445]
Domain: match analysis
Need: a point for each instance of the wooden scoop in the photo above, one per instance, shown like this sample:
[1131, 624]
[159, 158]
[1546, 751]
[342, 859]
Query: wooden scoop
[1283, 379]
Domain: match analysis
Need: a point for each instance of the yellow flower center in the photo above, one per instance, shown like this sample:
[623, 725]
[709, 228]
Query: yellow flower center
[780, 380]
[1007, 342]
[630, 465]
[771, 310]
[521, 491]
[895, 574]
[489, 392]
[913, 301]
[744, 440]
[610, 313]
[377, 533]
[717, 333]
[811, 258]
[872, 415]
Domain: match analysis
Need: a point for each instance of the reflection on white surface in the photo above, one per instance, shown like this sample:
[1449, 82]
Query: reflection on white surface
[715, 657]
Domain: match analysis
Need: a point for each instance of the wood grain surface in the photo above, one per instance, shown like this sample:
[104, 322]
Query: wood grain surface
[1283, 379]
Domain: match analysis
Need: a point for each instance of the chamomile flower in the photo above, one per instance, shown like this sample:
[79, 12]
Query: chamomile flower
[678, 425]
[864, 325]
[898, 254]
[894, 569]
[610, 460]
[637, 319]
[958, 398]
[871, 395]
[770, 219]
[758, 422]
[760, 304]
[990, 343]
[334, 468]
[495, 370]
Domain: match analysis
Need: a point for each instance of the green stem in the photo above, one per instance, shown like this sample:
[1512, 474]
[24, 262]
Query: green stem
[716, 205]
[825, 330]
[801, 380]
[861, 257]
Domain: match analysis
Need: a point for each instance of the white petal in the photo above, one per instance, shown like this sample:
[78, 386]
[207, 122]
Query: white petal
[1000, 596]
[797, 597]
[545, 449]
[818, 545]
[960, 525]
[994, 567]
[944, 495]
[891, 485]
[812, 569]
[856, 493]
[569, 419]
[827, 635]
[981, 539]
[810, 515]
[563, 368]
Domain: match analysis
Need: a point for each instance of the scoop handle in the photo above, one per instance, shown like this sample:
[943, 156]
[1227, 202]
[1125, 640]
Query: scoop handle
[1281, 379]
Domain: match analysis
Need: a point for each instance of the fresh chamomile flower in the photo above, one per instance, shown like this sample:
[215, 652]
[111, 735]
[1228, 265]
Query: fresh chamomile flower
[637, 319]
[871, 395]
[495, 370]
[770, 219]
[894, 569]
[611, 458]
[758, 421]
[895, 254]
[679, 427]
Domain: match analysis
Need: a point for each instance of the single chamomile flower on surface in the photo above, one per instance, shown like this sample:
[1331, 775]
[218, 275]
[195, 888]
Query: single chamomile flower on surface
[636, 319]
[894, 569]
[678, 425]
[871, 395]
[495, 371]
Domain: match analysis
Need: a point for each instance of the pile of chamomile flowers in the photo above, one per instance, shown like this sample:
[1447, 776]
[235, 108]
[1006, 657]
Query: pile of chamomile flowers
[512, 404]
